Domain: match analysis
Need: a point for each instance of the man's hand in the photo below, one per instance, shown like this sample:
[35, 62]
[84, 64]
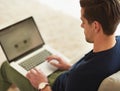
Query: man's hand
[36, 77]
[61, 64]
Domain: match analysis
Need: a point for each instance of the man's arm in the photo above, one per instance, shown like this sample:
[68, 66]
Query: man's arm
[39, 80]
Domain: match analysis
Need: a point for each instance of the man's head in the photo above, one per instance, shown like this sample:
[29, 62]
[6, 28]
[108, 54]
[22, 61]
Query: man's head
[106, 12]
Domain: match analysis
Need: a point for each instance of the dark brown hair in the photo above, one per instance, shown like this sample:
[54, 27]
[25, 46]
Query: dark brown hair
[106, 12]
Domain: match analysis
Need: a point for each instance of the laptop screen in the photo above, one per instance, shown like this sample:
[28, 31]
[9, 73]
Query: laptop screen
[20, 39]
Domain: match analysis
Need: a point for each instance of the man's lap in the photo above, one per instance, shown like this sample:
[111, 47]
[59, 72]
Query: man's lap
[10, 76]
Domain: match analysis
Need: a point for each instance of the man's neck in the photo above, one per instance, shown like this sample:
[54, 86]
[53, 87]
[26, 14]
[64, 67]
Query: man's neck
[104, 43]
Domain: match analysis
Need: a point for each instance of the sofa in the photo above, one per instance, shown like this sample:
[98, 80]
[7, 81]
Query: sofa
[111, 83]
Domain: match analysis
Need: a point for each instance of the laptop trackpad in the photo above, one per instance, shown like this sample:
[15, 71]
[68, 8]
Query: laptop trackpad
[47, 68]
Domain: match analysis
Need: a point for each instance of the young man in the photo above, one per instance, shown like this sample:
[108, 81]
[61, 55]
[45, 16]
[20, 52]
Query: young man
[99, 20]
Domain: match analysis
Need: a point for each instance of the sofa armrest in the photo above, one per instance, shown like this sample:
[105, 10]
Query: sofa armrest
[111, 83]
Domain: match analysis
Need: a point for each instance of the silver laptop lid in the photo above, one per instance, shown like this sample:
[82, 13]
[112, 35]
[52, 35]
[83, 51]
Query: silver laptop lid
[21, 38]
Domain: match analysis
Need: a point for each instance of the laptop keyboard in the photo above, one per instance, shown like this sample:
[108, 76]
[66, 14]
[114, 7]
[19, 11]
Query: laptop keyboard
[35, 60]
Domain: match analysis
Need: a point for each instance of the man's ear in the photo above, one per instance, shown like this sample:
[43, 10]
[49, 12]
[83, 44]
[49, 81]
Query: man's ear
[96, 26]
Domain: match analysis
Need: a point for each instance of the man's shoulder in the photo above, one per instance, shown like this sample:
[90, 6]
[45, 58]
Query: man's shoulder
[118, 37]
[118, 40]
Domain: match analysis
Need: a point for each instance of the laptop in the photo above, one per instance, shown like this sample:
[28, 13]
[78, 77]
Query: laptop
[25, 48]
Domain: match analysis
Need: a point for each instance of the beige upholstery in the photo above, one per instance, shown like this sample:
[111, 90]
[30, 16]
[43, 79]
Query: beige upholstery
[111, 83]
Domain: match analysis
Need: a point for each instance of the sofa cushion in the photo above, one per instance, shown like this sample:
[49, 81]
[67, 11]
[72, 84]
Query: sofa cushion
[111, 83]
